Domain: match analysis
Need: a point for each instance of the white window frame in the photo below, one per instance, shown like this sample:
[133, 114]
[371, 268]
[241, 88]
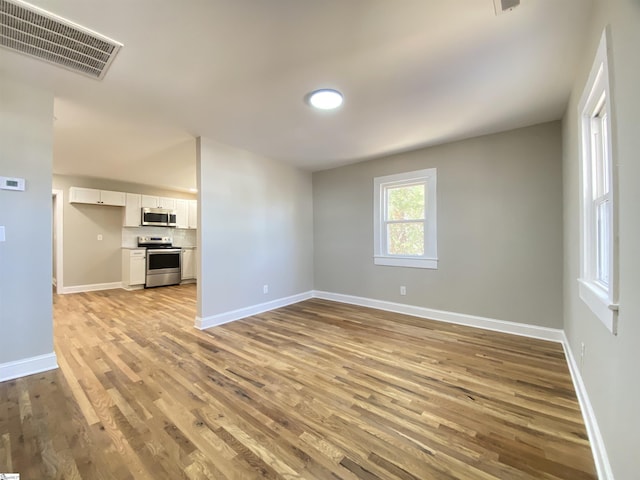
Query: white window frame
[599, 290]
[429, 259]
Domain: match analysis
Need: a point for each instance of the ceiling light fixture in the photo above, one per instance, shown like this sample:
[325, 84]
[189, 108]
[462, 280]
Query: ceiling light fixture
[325, 99]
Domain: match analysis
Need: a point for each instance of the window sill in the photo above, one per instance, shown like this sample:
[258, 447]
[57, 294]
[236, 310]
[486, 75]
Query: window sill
[410, 262]
[598, 301]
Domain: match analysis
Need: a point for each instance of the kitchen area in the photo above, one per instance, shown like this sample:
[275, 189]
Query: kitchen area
[122, 235]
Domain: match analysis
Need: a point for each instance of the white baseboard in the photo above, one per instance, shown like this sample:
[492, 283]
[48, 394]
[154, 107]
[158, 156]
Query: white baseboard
[222, 318]
[92, 287]
[533, 331]
[28, 366]
[598, 449]
[132, 288]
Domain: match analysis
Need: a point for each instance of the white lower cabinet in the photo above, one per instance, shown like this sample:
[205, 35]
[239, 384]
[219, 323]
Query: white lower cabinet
[189, 264]
[134, 267]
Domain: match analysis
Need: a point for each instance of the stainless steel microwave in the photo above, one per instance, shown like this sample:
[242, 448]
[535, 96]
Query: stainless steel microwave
[158, 217]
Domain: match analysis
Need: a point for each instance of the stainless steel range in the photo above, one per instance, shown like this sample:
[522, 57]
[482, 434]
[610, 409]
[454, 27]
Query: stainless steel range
[163, 261]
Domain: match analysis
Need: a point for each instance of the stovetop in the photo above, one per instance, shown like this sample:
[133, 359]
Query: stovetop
[155, 242]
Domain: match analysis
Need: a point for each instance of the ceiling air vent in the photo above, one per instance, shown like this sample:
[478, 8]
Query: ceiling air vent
[504, 6]
[35, 32]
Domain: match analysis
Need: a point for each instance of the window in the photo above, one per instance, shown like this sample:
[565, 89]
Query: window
[597, 283]
[405, 219]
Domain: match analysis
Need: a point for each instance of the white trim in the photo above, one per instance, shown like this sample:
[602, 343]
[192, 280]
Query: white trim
[600, 457]
[92, 287]
[59, 213]
[131, 288]
[522, 329]
[410, 262]
[598, 301]
[28, 366]
[428, 177]
[226, 317]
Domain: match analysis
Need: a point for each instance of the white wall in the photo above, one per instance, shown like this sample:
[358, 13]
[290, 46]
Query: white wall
[499, 228]
[255, 228]
[610, 365]
[26, 138]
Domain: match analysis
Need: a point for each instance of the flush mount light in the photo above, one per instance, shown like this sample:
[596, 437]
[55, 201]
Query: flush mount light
[325, 99]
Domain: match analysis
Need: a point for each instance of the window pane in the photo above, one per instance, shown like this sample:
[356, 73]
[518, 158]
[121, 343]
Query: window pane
[405, 203]
[599, 153]
[603, 226]
[405, 238]
[606, 168]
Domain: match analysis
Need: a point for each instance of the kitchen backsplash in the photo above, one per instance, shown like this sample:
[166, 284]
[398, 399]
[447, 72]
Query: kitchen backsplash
[181, 237]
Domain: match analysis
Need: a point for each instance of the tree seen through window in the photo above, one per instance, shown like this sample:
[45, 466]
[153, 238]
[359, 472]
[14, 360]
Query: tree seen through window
[405, 219]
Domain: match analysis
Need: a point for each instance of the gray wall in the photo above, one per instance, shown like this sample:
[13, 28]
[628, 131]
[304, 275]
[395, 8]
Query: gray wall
[499, 228]
[87, 260]
[610, 365]
[26, 139]
[255, 229]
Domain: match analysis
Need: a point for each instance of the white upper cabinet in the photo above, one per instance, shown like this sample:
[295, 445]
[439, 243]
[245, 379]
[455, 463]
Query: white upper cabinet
[117, 199]
[132, 210]
[84, 195]
[186, 210]
[193, 214]
[97, 197]
[187, 213]
[182, 213]
[168, 203]
[150, 201]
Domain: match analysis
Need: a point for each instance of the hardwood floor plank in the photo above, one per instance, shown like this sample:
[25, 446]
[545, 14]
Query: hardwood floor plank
[315, 390]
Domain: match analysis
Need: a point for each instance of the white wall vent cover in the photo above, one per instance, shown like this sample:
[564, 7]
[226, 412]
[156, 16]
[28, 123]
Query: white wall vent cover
[504, 6]
[35, 32]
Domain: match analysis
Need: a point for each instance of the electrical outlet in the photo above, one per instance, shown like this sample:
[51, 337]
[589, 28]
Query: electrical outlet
[403, 290]
[99, 237]
[265, 289]
[582, 351]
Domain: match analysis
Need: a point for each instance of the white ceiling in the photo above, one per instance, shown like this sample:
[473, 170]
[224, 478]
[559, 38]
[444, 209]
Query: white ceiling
[413, 73]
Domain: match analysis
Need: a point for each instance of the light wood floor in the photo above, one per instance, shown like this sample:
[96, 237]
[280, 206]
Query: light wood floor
[317, 390]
